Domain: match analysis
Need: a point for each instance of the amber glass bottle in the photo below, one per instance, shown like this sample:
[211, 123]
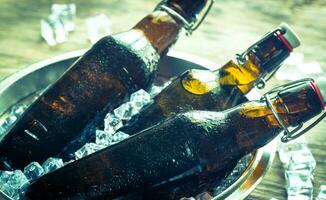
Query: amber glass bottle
[181, 151]
[223, 88]
[113, 68]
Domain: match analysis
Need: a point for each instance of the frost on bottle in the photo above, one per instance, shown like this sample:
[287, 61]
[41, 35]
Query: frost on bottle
[223, 88]
[176, 157]
[113, 68]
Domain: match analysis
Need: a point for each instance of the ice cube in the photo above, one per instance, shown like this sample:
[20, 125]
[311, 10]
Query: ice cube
[102, 138]
[52, 164]
[4, 176]
[167, 83]
[289, 72]
[204, 196]
[140, 98]
[17, 179]
[33, 171]
[299, 184]
[311, 69]
[302, 160]
[285, 150]
[294, 68]
[7, 123]
[12, 183]
[117, 137]
[88, 149]
[112, 123]
[15, 112]
[322, 193]
[67, 13]
[18, 110]
[9, 191]
[98, 27]
[294, 59]
[53, 30]
[11, 119]
[3, 128]
[304, 196]
[155, 89]
[125, 111]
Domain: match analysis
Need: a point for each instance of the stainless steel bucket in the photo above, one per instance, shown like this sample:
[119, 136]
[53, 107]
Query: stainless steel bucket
[33, 79]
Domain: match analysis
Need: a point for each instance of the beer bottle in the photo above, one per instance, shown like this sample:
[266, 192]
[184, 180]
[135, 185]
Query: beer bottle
[183, 149]
[113, 68]
[223, 88]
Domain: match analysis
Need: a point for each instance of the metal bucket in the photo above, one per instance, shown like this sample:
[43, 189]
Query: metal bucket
[33, 79]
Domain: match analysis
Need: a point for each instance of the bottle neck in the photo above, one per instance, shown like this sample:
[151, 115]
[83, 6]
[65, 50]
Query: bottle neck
[257, 123]
[243, 77]
[160, 29]
[259, 61]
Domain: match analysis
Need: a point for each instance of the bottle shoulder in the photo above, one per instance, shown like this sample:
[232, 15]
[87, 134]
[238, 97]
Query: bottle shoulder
[132, 42]
[134, 60]
[199, 82]
[207, 120]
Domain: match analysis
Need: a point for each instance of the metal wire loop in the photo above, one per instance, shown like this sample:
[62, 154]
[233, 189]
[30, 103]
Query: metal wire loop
[189, 26]
[297, 131]
[241, 59]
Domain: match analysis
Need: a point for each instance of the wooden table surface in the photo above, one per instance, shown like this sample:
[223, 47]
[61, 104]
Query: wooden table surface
[230, 28]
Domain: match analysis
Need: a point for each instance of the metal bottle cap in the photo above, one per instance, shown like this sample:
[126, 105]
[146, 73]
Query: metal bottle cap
[288, 33]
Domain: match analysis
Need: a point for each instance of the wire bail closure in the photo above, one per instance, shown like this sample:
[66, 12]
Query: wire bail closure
[190, 26]
[241, 59]
[299, 130]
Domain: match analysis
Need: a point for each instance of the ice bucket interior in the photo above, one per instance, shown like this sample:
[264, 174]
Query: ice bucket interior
[26, 84]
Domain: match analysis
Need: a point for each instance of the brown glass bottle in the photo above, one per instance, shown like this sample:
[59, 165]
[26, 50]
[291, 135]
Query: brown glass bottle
[113, 68]
[220, 89]
[181, 151]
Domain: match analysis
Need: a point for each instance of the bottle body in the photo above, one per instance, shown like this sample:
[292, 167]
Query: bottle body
[113, 68]
[193, 90]
[98, 78]
[218, 90]
[183, 150]
[139, 162]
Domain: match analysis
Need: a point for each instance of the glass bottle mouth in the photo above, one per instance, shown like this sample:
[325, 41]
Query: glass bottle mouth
[318, 93]
[288, 36]
[284, 40]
